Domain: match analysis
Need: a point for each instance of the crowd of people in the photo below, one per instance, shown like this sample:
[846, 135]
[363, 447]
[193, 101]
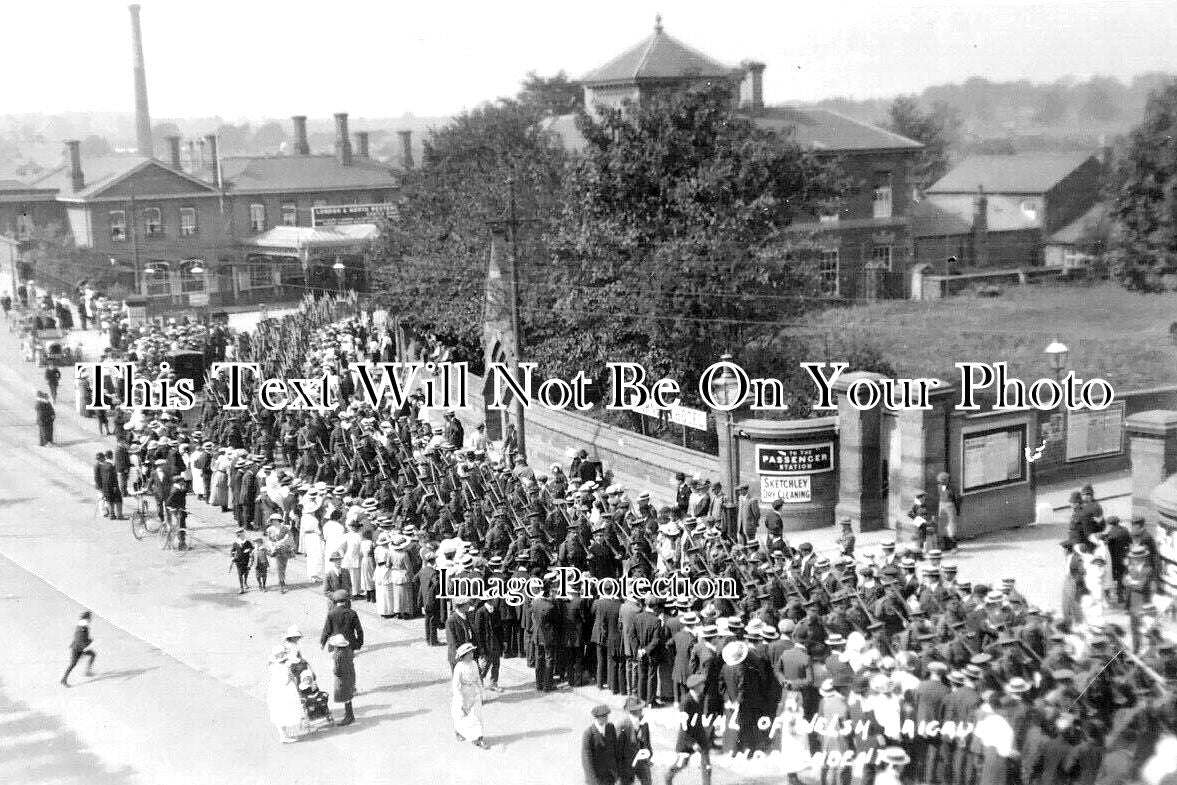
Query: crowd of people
[941, 679]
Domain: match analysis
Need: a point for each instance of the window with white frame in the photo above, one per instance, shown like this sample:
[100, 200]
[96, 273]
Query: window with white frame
[159, 281]
[827, 272]
[880, 257]
[289, 214]
[118, 225]
[881, 200]
[152, 222]
[257, 218]
[187, 221]
[191, 282]
[261, 275]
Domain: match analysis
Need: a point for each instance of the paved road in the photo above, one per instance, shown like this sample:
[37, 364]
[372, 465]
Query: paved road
[180, 691]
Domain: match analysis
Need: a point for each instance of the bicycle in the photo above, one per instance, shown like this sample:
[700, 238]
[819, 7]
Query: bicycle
[143, 519]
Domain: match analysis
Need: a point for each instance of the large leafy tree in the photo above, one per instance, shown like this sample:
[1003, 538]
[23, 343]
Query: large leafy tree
[936, 130]
[1144, 195]
[672, 246]
[435, 252]
[553, 95]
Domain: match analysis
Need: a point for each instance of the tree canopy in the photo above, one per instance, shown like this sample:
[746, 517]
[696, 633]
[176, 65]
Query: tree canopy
[935, 130]
[1144, 195]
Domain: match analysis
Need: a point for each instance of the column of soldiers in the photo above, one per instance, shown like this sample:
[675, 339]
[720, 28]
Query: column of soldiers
[877, 638]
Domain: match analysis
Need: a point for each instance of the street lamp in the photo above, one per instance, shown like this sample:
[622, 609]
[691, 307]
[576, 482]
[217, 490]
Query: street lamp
[725, 387]
[339, 267]
[1057, 351]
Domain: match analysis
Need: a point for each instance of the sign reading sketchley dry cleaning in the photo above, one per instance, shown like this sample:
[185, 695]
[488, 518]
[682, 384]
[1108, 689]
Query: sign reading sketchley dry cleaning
[785, 470]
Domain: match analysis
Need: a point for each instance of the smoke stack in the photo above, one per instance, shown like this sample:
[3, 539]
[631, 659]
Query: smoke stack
[142, 118]
[342, 141]
[174, 153]
[301, 147]
[981, 228]
[754, 81]
[406, 148]
[77, 179]
[214, 161]
[361, 144]
[193, 161]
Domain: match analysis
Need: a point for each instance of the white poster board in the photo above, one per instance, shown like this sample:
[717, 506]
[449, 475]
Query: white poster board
[1095, 433]
[993, 458]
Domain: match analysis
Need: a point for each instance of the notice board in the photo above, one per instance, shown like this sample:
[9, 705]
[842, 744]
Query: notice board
[1095, 433]
[993, 458]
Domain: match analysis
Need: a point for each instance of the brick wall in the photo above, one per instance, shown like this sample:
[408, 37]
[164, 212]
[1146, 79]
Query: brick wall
[638, 462]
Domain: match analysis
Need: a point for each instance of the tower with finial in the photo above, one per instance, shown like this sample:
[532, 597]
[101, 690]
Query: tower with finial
[658, 24]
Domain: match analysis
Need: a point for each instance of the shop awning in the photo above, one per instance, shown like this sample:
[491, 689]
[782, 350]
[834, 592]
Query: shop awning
[305, 238]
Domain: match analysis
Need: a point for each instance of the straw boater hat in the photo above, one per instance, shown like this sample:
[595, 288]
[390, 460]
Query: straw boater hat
[827, 688]
[670, 529]
[735, 652]
[398, 542]
[464, 649]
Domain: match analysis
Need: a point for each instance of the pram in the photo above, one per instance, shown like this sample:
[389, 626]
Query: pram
[314, 700]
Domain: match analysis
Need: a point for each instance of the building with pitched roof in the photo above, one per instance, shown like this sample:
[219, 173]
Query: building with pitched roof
[860, 249]
[223, 230]
[999, 212]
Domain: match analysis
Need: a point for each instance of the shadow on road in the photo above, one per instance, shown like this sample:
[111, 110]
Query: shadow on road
[39, 749]
[495, 741]
[414, 685]
[123, 675]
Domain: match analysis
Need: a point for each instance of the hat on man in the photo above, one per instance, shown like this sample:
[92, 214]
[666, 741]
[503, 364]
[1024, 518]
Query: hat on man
[895, 756]
[340, 595]
[973, 672]
[708, 631]
[689, 619]
[1017, 685]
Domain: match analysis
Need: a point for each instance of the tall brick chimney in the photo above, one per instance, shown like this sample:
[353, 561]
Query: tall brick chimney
[77, 179]
[301, 146]
[193, 161]
[342, 140]
[142, 117]
[981, 228]
[174, 153]
[214, 160]
[406, 148]
[361, 144]
[753, 96]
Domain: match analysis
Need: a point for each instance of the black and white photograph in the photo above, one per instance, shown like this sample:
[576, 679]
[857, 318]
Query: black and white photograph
[619, 393]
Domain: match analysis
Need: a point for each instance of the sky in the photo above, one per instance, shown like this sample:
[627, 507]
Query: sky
[256, 59]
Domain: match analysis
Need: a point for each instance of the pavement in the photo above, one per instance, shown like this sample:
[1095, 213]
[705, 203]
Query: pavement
[182, 656]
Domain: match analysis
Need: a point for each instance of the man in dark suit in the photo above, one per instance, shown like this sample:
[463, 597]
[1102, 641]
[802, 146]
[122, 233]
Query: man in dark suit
[959, 706]
[694, 734]
[929, 704]
[344, 621]
[707, 662]
[488, 637]
[633, 745]
[574, 625]
[606, 638]
[45, 417]
[598, 749]
[650, 641]
[336, 579]
[547, 618]
[428, 586]
[459, 629]
[681, 644]
[160, 485]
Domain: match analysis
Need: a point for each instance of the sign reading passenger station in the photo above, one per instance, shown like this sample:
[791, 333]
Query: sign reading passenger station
[795, 458]
[349, 214]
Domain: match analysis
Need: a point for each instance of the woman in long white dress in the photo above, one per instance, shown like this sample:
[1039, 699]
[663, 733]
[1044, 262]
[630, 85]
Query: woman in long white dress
[466, 703]
[794, 730]
[400, 576]
[218, 493]
[384, 587]
[310, 537]
[282, 696]
[367, 567]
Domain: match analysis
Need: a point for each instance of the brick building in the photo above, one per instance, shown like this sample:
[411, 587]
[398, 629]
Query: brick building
[227, 230]
[862, 248]
[998, 212]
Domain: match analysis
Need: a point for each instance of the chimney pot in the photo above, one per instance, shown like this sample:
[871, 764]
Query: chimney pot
[142, 116]
[174, 153]
[77, 179]
[406, 148]
[361, 144]
[342, 140]
[301, 147]
[214, 161]
[754, 72]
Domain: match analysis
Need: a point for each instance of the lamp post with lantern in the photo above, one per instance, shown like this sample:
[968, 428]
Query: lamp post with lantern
[725, 391]
[1057, 351]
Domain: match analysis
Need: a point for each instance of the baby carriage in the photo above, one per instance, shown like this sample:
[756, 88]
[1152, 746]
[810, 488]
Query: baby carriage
[314, 700]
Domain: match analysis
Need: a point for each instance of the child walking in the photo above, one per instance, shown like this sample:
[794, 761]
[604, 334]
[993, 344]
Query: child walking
[261, 563]
[241, 556]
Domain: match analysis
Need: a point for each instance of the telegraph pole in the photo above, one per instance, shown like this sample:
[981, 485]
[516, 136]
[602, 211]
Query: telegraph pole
[510, 272]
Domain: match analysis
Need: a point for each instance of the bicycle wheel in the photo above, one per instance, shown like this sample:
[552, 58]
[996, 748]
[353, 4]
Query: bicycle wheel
[154, 524]
[167, 537]
[139, 524]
